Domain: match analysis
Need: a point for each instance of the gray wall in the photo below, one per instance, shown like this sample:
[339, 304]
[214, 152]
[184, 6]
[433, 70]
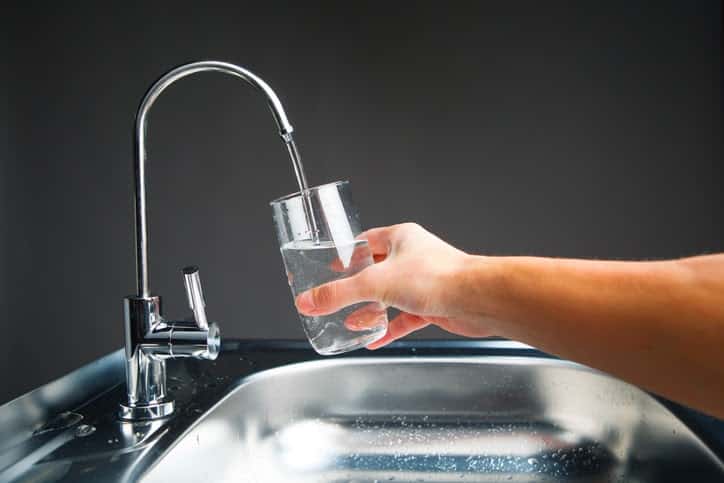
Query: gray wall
[576, 129]
[5, 156]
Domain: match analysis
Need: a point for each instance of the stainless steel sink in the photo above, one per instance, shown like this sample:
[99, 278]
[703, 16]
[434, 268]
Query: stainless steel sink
[436, 419]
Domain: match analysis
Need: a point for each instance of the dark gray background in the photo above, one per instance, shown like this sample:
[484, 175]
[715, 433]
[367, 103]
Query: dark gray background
[576, 129]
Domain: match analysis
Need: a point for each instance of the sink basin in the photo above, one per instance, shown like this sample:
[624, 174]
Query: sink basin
[436, 419]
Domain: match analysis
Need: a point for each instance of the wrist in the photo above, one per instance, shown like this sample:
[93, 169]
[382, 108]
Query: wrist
[479, 283]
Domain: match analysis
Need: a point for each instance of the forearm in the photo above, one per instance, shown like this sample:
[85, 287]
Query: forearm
[659, 325]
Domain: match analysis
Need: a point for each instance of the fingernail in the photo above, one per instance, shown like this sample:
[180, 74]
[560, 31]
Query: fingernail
[305, 302]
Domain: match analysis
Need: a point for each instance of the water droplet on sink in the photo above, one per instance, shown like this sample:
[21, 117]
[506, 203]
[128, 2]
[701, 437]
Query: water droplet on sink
[84, 430]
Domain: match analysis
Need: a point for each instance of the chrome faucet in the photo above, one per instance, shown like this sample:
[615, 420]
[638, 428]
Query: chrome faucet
[150, 339]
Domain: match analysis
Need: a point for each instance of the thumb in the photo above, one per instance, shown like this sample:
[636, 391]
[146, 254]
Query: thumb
[333, 296]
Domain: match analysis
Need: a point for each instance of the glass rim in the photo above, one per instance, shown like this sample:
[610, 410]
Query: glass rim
[297, 194]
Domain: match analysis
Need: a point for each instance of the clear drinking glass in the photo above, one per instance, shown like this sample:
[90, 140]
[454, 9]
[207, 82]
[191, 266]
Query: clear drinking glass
[335, 252]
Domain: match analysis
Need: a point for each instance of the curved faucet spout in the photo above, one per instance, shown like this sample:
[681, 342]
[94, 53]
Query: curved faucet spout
[150, 338]
[285, 131]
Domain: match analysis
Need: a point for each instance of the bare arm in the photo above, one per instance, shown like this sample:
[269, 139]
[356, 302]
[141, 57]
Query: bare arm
[659, 325]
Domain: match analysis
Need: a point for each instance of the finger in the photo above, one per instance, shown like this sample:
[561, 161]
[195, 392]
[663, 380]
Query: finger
[361, 257]
[378, 240]
[399, 327]
[333, 296]
[377, 247]
[366, 317]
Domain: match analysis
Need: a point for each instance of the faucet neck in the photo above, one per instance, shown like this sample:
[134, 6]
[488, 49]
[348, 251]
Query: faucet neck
[285, 131]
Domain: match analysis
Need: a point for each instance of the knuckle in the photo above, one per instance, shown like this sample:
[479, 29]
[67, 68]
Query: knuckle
[324, 295]
[385, 297]
[405, 227]
[383, 293]
[405, 231]
[411, 226]
[364, 281]
[370, 283]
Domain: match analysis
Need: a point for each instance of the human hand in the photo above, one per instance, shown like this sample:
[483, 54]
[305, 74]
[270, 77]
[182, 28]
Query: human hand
[416, 272]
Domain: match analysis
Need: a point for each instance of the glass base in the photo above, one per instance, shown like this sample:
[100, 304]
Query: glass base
[354, 344]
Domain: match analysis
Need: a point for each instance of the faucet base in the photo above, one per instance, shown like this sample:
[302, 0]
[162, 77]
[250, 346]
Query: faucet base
[146, 412]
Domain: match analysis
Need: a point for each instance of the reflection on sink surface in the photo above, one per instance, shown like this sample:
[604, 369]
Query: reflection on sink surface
[438, 420]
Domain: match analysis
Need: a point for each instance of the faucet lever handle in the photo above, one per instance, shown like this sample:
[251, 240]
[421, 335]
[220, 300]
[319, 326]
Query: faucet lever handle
[195, 296]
